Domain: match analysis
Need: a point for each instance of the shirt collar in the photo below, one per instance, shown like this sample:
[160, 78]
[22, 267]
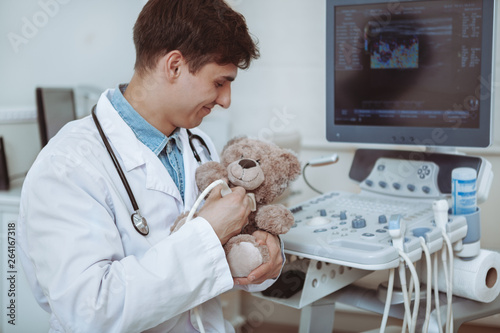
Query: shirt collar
[144, 131]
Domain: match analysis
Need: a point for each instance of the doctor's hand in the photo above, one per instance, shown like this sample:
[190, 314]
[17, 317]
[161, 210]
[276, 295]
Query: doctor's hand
[227, 215]
[269, 270]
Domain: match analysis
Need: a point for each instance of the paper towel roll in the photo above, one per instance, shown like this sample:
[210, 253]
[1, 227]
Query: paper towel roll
[477, 279]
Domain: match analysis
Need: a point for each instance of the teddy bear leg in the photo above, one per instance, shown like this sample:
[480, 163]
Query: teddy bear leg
[244, 254]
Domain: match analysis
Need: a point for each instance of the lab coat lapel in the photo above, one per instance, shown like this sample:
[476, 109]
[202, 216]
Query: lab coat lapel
[131, 151]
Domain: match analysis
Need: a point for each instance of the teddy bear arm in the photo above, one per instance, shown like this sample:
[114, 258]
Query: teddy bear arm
[208, 173]
[275, 219]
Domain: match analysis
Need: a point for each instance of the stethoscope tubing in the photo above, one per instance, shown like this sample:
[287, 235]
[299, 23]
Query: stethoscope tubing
[192, 136]
[115, 162]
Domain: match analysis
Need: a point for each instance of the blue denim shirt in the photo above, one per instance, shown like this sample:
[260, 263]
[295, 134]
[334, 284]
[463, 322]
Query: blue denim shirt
[168, 149]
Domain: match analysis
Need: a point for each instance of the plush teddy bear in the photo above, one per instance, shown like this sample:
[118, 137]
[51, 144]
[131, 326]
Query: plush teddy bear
[265, 170]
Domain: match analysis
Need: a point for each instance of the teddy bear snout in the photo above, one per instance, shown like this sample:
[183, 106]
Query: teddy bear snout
[247, 164]
[246, 173]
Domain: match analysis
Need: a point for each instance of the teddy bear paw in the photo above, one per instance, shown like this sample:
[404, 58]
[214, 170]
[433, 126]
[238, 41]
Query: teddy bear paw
[239, 267]
[244, 254]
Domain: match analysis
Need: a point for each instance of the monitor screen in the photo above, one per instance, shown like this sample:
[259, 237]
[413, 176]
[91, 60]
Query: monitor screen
[55, 108]
[410, 72]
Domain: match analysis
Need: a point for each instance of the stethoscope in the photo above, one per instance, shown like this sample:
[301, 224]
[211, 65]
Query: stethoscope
[138, 221]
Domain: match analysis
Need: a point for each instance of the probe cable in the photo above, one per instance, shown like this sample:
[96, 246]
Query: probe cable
[411, 317]
[388, 300]
[449, 281]
[428, 304]
[201, 197]
[307, 182]
[436, 292]
[322, 161]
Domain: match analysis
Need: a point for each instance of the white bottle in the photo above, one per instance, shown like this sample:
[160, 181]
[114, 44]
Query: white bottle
[463, 191]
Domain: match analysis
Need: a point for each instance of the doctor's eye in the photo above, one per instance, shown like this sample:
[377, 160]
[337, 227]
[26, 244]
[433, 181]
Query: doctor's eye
[219, 84]
[258, 161]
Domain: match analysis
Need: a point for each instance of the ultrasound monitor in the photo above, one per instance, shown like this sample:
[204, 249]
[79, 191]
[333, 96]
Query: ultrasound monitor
[55, 108]
[410, 72]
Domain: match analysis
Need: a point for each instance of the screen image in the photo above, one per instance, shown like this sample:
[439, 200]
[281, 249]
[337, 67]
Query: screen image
[409, 64]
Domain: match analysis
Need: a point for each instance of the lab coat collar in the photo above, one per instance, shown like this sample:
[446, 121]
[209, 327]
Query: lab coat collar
[132, 152]
[120, 135]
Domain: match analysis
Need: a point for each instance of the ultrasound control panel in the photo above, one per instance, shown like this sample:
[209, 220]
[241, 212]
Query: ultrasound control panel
[403, 178]
[352, 228]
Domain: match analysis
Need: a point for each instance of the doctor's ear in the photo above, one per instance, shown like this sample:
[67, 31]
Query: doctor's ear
[173, 62]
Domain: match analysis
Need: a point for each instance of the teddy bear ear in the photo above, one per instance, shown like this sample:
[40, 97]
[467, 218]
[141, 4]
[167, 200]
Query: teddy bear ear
[289, 158]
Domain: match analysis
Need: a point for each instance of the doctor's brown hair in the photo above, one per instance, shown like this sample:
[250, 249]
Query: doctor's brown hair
[204, 31]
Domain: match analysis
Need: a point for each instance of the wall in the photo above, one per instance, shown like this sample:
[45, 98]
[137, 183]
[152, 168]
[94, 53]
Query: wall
[58, 43]
[64, 42]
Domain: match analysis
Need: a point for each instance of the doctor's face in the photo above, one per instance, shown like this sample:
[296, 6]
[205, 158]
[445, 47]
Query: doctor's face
[201, 91]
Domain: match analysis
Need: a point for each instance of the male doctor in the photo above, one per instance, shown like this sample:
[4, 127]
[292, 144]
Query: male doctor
[85, 261]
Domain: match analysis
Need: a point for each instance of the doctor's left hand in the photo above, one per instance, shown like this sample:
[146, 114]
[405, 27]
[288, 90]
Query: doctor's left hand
[269, 270]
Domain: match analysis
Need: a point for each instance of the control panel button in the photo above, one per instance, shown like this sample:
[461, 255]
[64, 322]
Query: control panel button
[369, 182]
[382, 219]
[426, 189]
[396, 186]
[358, 223]
[382, 184]
[410, 187]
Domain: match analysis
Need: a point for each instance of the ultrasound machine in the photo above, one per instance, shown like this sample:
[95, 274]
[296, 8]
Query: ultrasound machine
[405, 73]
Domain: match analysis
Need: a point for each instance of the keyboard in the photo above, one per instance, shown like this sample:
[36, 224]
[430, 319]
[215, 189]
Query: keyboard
[352, 229]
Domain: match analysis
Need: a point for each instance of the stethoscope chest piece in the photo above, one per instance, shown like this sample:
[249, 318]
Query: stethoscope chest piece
[140, 223]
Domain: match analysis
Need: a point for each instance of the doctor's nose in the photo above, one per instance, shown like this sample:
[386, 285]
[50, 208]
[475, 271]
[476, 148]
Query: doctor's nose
[224, 98]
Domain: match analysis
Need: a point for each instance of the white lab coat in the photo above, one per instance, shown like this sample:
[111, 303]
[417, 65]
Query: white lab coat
[86, 263]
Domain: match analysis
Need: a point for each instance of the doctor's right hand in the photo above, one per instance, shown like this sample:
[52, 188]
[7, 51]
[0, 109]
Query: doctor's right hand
[227, 215]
